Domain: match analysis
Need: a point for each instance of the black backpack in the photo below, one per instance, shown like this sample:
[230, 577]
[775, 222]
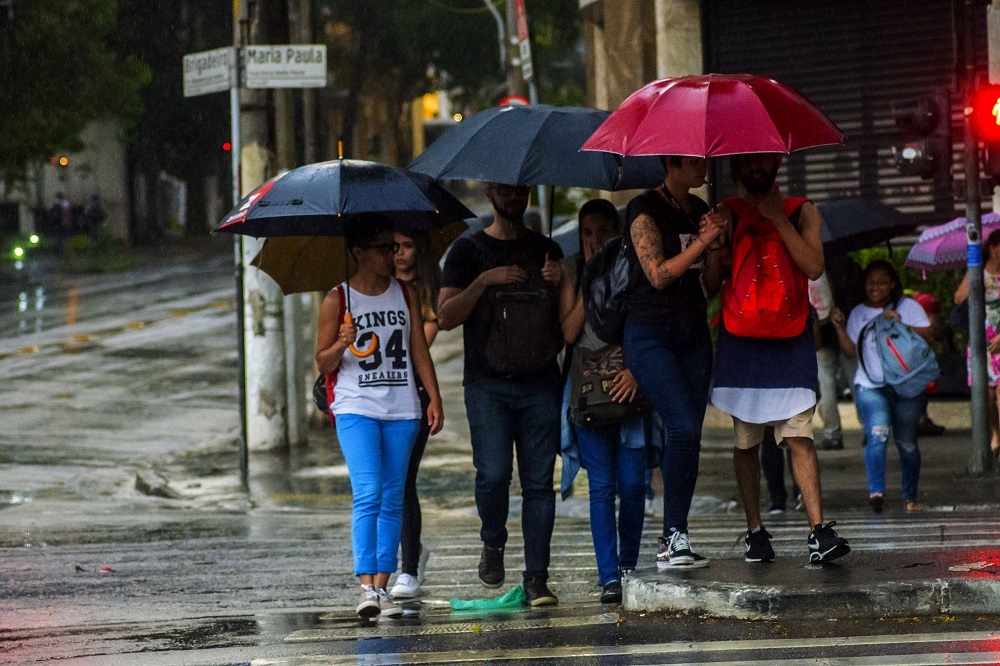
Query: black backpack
[524, 334]
[607, 281]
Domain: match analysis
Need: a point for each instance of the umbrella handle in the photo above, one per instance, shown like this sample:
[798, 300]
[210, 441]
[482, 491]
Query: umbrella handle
[372, 348]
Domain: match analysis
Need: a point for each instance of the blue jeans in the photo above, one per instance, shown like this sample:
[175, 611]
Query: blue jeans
[504, 416]
[613, 469]
[882, 411]
[377, 454]
[673, 366]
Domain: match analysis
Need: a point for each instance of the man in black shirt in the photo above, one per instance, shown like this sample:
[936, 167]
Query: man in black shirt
[501, 284]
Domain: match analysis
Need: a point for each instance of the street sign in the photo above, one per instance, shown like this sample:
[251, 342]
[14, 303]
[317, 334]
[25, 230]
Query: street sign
[285, 66]
[209, 71]
[523, 43]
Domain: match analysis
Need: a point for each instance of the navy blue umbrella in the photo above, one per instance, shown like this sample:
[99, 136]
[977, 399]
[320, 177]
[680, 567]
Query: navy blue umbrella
[319, 199]
[534, 145]
[853, 224]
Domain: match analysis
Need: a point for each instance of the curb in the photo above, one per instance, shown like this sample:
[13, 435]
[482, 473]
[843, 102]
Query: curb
[650, 591]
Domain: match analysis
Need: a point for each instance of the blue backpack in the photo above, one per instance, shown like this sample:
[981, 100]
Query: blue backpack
[908, 362]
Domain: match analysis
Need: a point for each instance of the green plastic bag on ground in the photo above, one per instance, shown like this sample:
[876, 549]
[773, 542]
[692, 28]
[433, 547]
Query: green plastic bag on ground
[513, 599]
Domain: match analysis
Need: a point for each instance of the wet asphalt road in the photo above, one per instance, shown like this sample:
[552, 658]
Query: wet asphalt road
[133, 378]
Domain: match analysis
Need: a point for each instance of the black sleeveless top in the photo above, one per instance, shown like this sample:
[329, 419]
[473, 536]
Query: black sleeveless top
[684, 297]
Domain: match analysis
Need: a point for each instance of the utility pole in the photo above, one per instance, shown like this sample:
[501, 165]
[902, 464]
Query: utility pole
[263, 313]
[980, 459]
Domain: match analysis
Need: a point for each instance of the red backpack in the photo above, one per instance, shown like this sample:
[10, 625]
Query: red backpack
[767, 295]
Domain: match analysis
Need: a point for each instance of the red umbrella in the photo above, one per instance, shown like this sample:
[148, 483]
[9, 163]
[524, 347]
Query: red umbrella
[714, 114]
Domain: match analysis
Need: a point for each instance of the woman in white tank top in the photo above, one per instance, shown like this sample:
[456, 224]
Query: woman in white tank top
[374, 359]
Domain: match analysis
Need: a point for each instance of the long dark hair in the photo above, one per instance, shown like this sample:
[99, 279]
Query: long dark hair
[992, 243]
[426, 272]
[896, 293]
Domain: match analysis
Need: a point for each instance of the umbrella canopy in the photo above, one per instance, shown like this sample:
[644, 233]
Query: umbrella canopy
[319, 263]
[852, 224]
[943, 247]
[533, 145]
[714, 114]
[318, 199]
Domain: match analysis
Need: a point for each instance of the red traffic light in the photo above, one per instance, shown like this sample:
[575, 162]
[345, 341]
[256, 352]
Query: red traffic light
[986, 113]
[226, 146]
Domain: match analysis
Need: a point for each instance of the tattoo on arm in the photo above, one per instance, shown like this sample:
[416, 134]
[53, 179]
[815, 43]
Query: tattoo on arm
[649, 249]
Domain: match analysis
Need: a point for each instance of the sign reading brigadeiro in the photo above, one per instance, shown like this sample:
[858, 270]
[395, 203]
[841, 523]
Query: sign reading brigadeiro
[285, 66]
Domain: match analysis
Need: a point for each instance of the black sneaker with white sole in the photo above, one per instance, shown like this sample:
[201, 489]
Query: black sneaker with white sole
[758, 546]
[675, 553]
[825, 545]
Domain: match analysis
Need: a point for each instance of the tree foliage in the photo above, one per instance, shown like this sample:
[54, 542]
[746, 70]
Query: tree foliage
[59, 73]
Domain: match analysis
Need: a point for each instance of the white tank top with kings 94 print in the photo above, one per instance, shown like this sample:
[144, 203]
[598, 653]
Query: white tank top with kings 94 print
[376, 376]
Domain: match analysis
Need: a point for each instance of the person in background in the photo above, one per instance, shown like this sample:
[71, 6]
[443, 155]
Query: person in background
[375, 358]
[991, 278]
[614, 455]
[828, 363]
[415, 265]
[881, 410]
[939, 334]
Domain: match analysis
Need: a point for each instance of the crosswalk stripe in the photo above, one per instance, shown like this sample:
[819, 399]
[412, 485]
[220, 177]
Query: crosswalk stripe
[384, 629]
[685, 647]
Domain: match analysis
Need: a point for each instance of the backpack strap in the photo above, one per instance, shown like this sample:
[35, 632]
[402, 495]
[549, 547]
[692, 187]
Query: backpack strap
[406, 293]
[331, 377]
[858, 344]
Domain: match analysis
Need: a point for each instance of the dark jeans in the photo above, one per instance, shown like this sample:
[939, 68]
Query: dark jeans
[772, 462]
[412, 520]
[523, 416]
[613, 469]
[672, 364]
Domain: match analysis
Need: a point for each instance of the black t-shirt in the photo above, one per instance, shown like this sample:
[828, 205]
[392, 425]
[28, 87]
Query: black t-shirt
[466, 261]
[684, 297]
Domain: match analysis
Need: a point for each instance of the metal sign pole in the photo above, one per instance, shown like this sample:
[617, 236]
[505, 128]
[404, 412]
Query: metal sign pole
[980, 458]
[234, 130]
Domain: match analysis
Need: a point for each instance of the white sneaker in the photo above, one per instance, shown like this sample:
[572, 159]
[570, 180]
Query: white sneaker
[406, 587]
[386, 606]
[369, 605]
[425, 554]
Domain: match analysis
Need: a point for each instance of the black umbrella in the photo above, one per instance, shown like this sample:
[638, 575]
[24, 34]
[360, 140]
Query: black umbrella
[318, 199]
[323, 199]
[853, 224]
[534, 145]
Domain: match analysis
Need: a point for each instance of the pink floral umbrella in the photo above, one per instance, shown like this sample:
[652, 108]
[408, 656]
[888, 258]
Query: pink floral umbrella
[943, 247]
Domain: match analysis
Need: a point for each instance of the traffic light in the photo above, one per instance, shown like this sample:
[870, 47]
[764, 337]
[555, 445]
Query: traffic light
[925, 146]
[986, 115]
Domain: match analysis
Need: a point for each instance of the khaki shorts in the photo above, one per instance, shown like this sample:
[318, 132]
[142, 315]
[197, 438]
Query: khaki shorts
[749, 435]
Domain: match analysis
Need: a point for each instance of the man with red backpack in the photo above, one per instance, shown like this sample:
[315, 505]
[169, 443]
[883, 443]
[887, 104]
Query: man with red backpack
[766, 371]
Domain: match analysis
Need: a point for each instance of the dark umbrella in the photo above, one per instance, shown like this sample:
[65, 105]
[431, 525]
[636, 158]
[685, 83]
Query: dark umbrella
[318, 199]
[533, 145]
[323, 199]
[852, 224]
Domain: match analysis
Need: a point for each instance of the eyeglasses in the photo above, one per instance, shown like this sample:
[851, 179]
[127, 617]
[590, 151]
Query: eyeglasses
[384, 249]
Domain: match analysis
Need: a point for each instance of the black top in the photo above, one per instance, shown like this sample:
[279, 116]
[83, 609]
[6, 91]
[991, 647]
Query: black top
[466, 261]
[684, 297]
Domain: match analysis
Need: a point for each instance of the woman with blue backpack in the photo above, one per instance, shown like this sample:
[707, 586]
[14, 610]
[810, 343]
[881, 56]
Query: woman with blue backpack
[889, 399]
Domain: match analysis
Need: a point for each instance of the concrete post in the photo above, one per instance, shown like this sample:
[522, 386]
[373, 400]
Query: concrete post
[263, 316]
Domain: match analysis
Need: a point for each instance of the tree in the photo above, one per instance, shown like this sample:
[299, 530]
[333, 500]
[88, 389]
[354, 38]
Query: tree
[403, 48]
[179, 136]
[60, 73]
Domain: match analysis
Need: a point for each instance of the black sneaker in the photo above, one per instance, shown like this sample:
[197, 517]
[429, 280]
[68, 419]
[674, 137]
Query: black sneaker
[611, 593]
[758, 546]
[491, 571]
[538, 593]
[825, 545]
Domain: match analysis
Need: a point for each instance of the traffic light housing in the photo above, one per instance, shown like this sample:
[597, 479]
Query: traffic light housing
[924, 148]
[986, 116]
